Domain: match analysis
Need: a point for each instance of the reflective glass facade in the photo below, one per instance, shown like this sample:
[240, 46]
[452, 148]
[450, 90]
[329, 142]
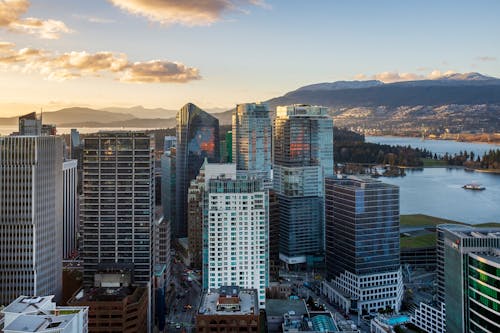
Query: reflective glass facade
[252, 138]
[197, 139]
[302, 157]
[362, 226]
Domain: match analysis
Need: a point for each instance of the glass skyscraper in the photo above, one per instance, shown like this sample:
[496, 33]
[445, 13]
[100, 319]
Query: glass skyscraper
[362, 243]
[197, 139]
[303, 156]
[251, 141]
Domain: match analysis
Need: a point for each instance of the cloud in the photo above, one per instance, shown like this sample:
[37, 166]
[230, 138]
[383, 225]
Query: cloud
[10, 18]
[486, 59]
[186, 12]
[72, 65]
[93, 19]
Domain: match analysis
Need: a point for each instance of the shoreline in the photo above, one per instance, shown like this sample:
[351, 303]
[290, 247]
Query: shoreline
[496, 143]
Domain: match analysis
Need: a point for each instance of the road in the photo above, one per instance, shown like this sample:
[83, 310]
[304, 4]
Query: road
[185, 293]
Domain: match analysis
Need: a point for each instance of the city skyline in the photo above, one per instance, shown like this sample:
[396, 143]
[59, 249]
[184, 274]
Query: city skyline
[161, 54]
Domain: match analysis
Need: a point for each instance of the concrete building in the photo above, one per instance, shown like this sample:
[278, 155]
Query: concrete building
[235, 234]
[115, 310]
[31, 216]
[303, 156]
[71, 213]
[117, 211]
[196, 203]
[228, 309]
[362, 244]
[41, 314]
[197, 139]
[251, 139]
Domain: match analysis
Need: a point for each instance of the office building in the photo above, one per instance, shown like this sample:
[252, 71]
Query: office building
[467, 281]
[274, 236]
[197, 139]
[117, 211]
[235, 234]
[168, 188]
[169, 142]
[303, 156]
[29, 124]
[251, 139]
[76, 153]
[41, 314]
[71, 215]
[229, 309]
[362, 244]
[31, 216]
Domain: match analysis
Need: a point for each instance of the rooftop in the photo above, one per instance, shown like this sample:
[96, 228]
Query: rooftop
[223, 302]
[462, 231]
[39, 323]
[278, 307]
[108, 294]
[29, 304]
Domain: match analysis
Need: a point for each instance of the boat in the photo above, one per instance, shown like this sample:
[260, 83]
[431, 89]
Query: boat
[475, 187]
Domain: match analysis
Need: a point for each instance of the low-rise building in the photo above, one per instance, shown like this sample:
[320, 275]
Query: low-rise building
[41, 314]
[384, 324]
[430, 317]
[229, 309]
[115, 309]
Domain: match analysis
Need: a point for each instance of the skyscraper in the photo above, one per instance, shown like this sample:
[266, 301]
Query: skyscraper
[31, 216]
[118, 204]
[235, 235]
[303, 156]
[251, 139]
[168, 187]
[362, 244]
[197, 139]
[471, 278]
[71, 213]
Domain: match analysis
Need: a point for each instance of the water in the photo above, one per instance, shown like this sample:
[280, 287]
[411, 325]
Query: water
[438, 192]
[397, 320]
[439, 147]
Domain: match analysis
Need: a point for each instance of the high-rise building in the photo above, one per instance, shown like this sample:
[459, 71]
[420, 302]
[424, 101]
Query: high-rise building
[274, 236]
[168, 188]
[169, 142]
[251, 139]
[117, 211]
[76, 153]
[31, 216]
[235, 234]
[29, 124]
[71, 214]
[362, 244]
[303, 156]
[471, 278]
[197, 139]
[196, 197]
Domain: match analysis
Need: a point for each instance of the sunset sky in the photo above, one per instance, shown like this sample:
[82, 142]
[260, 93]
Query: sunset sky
[216, 53]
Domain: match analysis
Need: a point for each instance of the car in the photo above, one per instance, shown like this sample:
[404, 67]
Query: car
[178, 326]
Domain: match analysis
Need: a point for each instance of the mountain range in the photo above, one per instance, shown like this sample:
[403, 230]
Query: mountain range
[457, 102]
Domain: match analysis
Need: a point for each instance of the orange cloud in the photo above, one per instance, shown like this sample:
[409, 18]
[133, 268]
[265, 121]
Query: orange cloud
[71, 65]
[10, 17]
[186, 12]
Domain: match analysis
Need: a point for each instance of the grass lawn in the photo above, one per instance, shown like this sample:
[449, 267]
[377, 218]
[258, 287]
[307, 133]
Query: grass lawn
[490, 224]
[429, 162]
[418, 220]
[418, 241]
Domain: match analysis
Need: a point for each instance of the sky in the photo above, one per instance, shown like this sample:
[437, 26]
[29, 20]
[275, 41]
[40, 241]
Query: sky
[217, 53]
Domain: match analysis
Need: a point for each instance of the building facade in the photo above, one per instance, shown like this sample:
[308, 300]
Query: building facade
[362, 244]
[251, 139]
[117, 211]
[71, 213]
[31, 216]
[168, 188]
[235, 235]
[303, 156]
[197, 135]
